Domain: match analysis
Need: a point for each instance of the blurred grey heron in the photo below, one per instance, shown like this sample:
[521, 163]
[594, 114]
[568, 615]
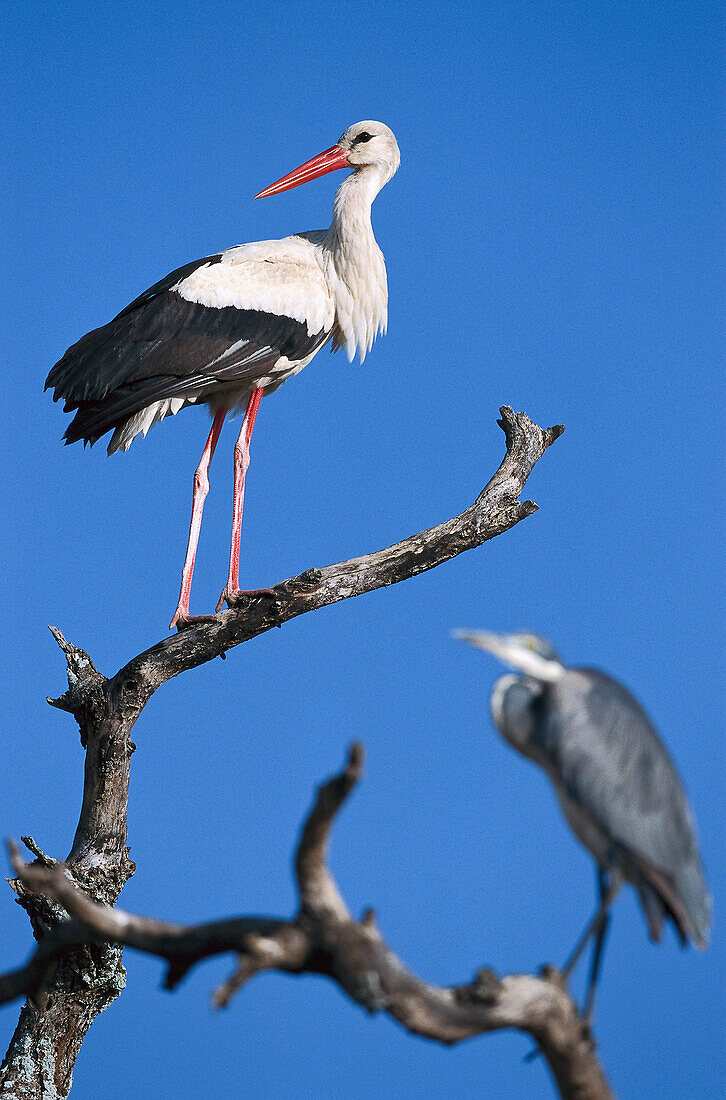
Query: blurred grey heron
[615, 782]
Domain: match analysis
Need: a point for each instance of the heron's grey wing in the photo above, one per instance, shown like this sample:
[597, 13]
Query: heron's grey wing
[611, 763]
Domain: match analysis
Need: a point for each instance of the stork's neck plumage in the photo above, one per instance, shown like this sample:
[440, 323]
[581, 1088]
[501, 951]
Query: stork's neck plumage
[355, 268]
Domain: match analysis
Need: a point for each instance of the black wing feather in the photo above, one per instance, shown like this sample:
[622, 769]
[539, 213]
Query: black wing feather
[163, 346]
[168, 282]
[89, 368]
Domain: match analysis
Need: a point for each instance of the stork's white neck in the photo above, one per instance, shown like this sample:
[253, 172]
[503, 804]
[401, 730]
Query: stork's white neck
[355, 268]
[354, 198]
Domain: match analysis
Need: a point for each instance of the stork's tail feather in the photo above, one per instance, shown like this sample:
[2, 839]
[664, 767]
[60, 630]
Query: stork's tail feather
[92, 421]
[81, 426]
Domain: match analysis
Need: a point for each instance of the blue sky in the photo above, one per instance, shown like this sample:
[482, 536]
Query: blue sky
[553, 242]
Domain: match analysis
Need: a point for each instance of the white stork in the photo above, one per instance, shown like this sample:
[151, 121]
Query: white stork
[228, 329]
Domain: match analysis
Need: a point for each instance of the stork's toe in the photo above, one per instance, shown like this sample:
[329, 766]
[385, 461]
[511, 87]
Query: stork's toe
[233, 597]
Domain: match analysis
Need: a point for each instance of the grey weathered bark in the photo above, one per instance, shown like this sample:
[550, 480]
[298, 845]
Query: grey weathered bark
[80, 978]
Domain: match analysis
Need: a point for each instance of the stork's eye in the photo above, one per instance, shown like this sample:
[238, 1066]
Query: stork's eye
[365, 136]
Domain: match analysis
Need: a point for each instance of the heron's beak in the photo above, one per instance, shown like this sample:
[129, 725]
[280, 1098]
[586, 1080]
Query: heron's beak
[511, 652]
[328, 161]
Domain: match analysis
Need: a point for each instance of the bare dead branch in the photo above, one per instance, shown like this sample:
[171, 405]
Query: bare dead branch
[318, 892]
[495, 510]
[324, 939]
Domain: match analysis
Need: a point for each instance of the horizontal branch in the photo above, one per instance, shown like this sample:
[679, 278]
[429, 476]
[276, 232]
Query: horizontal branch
[496, 509]
[325, 939]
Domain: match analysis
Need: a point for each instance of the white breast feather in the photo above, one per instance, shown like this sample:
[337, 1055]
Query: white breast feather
[278, 277]
[359, 286]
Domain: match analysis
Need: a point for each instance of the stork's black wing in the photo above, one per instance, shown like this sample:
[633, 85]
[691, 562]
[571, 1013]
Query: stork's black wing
[165, 345]
[90, 368]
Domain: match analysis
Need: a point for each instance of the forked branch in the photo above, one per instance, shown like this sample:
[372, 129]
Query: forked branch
[325, 939]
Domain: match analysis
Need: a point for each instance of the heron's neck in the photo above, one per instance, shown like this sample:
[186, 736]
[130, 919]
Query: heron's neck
[358, 275]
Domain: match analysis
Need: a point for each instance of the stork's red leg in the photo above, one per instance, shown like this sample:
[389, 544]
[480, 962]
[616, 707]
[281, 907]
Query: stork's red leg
[241, 464]
[201, 488]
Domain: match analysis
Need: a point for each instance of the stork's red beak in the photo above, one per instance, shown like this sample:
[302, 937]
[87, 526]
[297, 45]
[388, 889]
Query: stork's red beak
[329, 161]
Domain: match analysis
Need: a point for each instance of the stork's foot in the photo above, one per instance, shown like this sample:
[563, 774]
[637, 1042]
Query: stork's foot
[183, 619]
[233, 597]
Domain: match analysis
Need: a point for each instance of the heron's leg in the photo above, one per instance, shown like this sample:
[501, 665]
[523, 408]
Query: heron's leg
[597, 953]
[241, 465]
[201, 488]
[607, 889]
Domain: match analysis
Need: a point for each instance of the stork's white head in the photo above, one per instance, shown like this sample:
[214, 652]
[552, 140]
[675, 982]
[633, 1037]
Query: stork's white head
[369, 144]
[366, 147]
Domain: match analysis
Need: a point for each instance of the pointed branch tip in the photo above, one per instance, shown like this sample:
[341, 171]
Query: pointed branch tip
[39, 854]
[60, 638]
[61, 703]
[176, 972]
[16, 861]
[225, 992]
[354, 763]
